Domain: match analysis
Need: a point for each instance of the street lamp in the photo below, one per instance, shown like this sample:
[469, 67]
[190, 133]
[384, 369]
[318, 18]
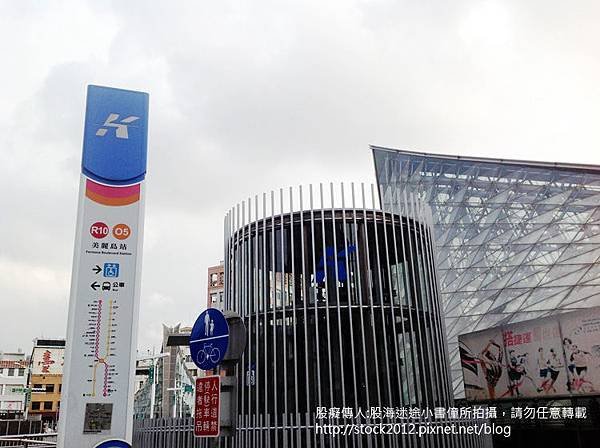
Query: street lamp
[175, 390]
[178, 391]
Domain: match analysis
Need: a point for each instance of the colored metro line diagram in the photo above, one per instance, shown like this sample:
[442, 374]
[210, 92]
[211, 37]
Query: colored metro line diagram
[100, 341]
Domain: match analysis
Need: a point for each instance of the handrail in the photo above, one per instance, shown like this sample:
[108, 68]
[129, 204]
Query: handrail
[27, 440]
[20, 436]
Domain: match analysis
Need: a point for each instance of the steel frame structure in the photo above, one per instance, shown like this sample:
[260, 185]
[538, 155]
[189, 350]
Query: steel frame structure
[341, 306]
[517, 240]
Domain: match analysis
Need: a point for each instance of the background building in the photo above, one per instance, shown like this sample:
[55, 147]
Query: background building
[340, 302]
[166, 381]
[515, 240]
[13, 384]
[215, 287]
[45, 379]
[176, 374]
[145, 386]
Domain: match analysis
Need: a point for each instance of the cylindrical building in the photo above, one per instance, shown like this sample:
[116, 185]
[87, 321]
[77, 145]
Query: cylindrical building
[342, 312]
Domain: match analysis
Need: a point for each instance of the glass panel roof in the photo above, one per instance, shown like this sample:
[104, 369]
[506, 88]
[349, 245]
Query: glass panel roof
[515, 240]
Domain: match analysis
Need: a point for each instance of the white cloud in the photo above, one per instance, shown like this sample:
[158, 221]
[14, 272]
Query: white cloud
[488, 25]
[247, 97]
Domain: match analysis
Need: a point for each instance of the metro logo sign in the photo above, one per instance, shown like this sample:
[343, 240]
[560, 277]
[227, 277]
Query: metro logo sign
[208, 403]
[120, 128]
[99, 230]
[121, 231]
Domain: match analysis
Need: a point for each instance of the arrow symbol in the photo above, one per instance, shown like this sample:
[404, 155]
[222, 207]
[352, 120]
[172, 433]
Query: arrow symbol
[95, 286]
[97, 269]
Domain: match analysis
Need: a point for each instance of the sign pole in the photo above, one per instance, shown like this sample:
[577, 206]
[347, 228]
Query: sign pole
[100, 355]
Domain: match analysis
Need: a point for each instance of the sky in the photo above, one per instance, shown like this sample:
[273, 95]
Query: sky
[246, 97]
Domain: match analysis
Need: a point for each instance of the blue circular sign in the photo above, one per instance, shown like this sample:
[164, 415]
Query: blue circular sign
[116, 443]
[209, 339]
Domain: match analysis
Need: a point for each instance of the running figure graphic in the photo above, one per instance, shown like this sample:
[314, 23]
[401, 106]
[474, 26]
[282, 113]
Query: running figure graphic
[580, 360]
[549, 366]
[578, 368]
[491, 364]
[517, 372]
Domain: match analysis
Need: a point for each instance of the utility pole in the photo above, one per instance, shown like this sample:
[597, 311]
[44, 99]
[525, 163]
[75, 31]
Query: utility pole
[154, 358]
[175, 390]
[28, 387]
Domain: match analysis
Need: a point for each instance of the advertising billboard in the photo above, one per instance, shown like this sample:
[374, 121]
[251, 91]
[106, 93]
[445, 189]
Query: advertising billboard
[47, 361]
[14, 406]
[557, 356]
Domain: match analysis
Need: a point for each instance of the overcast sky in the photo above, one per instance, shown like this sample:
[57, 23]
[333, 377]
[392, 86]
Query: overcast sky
[250, 96]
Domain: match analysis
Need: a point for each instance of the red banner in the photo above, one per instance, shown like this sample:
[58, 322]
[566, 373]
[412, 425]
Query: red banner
[206, 415]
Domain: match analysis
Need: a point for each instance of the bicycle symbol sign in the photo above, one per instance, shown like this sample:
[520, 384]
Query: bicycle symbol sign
[209, 339]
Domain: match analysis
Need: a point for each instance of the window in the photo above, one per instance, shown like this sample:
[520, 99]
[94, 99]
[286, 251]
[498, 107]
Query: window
[21, 372]
[11, 372]
[214, 297]
[35, 405]
[60, 387]
[214, 279]
[47, 405]
[49, 388]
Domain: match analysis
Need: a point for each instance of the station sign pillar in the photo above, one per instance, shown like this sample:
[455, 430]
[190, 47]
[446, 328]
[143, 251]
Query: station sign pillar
[98, 383]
